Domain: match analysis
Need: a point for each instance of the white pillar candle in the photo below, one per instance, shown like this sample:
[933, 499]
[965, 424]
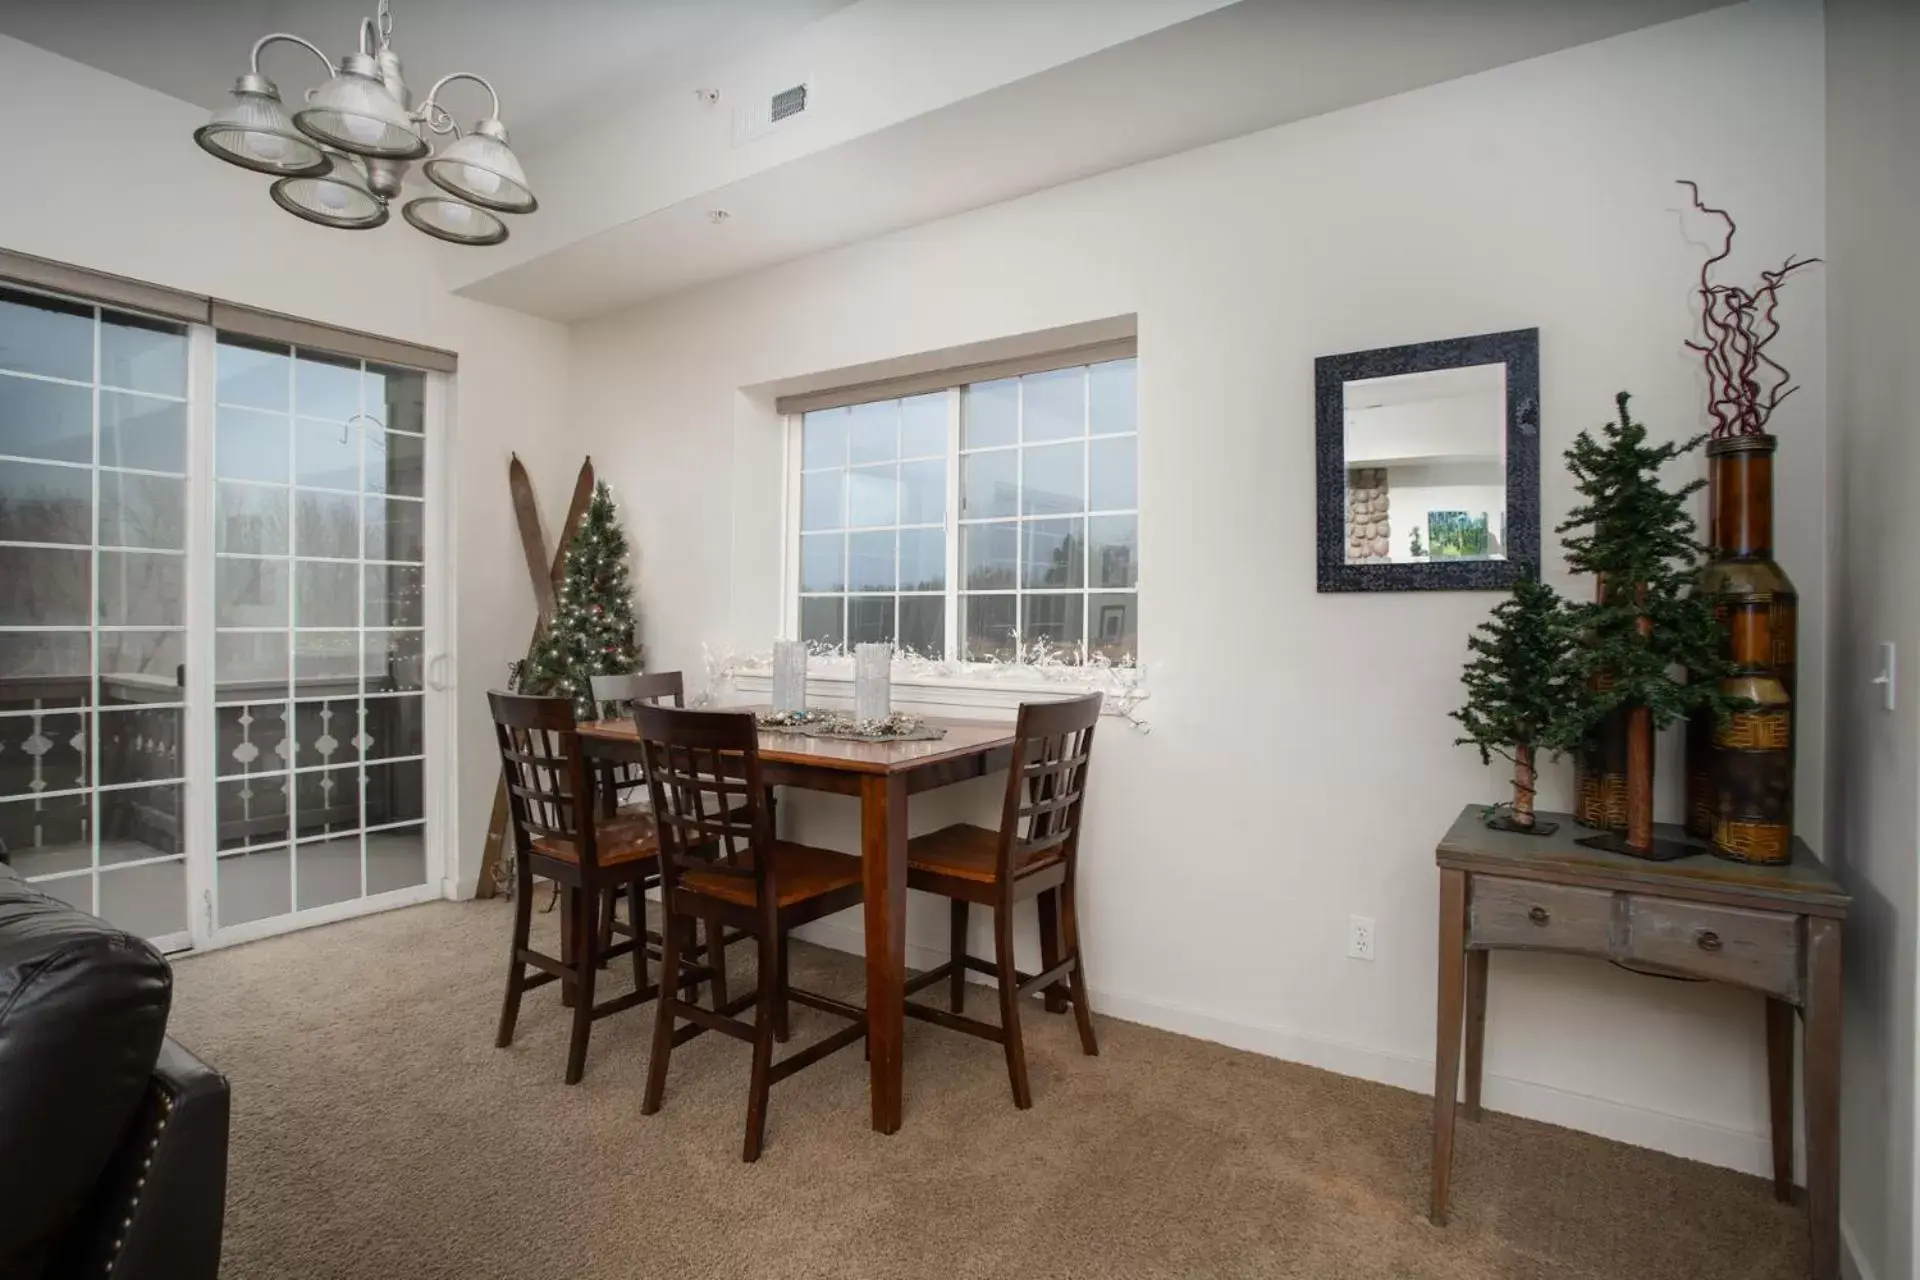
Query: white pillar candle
[789, 675]
[872, 681]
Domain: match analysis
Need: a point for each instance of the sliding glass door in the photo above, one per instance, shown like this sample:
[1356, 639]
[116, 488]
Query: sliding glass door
[216, 603]
[319, 646]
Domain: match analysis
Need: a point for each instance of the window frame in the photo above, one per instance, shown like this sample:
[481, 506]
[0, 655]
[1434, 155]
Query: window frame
[952, 670]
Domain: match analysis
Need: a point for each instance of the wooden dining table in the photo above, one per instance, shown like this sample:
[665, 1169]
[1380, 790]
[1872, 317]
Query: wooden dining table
[882, 775]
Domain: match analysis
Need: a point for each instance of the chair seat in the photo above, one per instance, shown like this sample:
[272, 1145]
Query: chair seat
[964, 852]
[800, 871]
[625, 838]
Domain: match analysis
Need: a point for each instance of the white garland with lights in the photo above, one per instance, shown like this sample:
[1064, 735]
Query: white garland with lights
[1122, 683]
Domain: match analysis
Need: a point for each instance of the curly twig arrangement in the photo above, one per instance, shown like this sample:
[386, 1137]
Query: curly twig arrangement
[1744, 384]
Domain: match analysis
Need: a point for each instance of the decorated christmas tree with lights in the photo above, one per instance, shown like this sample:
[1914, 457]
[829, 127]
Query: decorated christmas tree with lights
[591, 633]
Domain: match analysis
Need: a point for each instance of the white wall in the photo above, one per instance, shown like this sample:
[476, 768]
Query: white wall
[1873, 171]
[1539, 194]
[103, 173]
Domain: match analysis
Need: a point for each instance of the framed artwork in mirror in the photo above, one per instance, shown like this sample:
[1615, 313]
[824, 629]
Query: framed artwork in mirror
[1427, 465]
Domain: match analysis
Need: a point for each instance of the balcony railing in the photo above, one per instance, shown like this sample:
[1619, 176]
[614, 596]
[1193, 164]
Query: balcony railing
[260, 734]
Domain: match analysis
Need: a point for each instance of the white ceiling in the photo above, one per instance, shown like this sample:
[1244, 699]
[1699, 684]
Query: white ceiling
[1125, 81]
[553, 61]
[1247, 66]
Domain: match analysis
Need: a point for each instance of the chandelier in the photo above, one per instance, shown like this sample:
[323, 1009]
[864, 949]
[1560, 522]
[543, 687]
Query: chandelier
[342, 157]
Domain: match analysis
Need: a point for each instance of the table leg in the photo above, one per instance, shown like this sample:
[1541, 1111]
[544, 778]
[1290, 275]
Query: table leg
[569, 944]
[883, 854]
[1446, 1039]
[1822, 1066]
[1476, 1027]
[1780, 1095]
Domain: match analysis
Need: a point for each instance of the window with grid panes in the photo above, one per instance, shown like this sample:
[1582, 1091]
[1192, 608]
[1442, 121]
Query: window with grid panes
[976, 522]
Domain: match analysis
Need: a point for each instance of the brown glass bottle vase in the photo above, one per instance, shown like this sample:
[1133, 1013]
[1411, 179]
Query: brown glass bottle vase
[1740, 773]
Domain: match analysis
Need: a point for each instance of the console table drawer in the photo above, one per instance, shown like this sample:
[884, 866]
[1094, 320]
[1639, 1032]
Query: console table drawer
[1521, 913]
[1758, 949]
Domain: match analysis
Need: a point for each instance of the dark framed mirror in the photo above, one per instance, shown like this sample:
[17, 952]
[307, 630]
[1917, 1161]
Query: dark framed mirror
[1428, 465]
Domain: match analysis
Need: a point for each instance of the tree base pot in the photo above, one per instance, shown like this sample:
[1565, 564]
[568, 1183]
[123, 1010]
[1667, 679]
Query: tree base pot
[1500, 818]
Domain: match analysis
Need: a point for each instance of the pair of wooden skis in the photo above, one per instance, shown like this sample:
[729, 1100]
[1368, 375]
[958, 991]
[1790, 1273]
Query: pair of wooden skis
[547, 573]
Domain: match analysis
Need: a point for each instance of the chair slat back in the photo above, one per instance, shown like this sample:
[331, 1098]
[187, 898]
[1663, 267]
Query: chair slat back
[703, 772]
[1046, 782]
[648, 688]
[549, 789]
[625, 693]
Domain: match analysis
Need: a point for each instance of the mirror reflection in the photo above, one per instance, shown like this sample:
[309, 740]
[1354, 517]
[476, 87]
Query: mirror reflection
[1426, 466]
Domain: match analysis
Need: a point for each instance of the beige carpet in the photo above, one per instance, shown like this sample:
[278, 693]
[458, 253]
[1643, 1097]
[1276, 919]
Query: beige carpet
[379, 1135]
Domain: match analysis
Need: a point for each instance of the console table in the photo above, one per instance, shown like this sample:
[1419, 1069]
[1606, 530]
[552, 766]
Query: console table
[1775, 930]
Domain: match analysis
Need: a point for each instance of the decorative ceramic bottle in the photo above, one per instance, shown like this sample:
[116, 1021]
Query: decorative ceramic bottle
[1740, 775]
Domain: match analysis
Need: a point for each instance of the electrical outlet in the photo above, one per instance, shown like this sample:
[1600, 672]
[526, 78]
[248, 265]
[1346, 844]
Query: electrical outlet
[1360, 937]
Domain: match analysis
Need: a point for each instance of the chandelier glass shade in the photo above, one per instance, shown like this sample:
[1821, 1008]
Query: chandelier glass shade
[454, 221]
[482, 170]
[344, 154]
[354, 112]
[339, 198]
[254, 132]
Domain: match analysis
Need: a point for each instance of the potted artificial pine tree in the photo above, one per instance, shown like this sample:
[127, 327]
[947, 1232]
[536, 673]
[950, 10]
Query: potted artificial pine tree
[1521, 698]
[1646, 625]
[591, 633]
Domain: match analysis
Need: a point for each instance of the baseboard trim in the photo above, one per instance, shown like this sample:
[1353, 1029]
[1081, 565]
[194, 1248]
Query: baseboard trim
[1744, 1150]
[1853, 1263]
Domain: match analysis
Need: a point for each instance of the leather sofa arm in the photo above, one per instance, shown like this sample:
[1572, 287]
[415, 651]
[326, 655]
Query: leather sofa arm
[158, 1212]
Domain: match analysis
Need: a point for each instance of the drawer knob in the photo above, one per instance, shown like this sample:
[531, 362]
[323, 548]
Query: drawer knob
[1539, 915]
[1708, 940]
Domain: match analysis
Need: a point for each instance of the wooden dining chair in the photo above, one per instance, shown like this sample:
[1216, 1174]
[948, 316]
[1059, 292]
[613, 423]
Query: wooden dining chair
[623, 693]
[625, 782]
[1034, 854]
[703, 770]
[559, 835]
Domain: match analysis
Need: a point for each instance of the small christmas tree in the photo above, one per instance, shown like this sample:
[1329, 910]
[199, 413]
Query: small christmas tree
[1520, 692]
[591, 632]
[1646, 624]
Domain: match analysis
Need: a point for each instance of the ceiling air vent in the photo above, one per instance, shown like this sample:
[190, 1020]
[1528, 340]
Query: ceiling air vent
[788, 102]
[766, 112]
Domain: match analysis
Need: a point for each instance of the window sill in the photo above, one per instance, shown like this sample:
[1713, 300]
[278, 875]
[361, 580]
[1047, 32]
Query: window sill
[949, 688]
